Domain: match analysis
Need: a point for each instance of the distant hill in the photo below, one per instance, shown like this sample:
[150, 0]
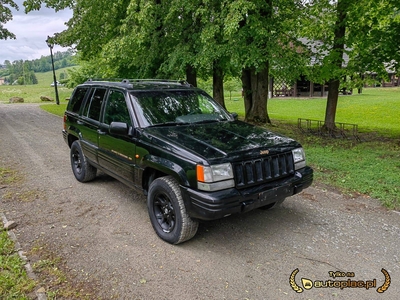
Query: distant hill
[46, 78]
[24, 72]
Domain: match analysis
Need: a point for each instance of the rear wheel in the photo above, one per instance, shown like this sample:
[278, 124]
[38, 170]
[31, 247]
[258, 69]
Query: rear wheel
[167, 211]
[81, 168]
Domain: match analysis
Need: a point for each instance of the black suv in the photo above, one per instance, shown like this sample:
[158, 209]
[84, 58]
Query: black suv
[191, 158]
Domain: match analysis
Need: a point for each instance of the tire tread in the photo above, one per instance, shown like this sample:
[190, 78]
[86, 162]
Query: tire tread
[189, 226]
[89, 172]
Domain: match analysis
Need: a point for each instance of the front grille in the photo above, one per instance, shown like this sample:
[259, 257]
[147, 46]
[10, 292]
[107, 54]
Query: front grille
[263, 170]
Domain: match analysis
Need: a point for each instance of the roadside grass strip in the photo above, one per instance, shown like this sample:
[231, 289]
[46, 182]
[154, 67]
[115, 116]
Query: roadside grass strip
[14, 280]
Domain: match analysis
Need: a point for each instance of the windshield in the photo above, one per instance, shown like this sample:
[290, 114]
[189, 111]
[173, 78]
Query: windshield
[177, 107]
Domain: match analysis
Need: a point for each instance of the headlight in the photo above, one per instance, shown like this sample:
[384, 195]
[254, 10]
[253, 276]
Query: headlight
[214, 178]
[299, 158]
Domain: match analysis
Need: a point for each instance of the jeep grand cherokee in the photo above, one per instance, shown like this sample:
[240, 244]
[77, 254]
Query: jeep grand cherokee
[191, 158]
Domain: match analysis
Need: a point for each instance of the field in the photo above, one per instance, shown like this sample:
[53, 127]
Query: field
[376, 109]
[370, 168]
[32, 93]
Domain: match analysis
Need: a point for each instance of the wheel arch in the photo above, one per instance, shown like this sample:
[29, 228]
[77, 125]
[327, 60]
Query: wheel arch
[158, 167]
[71, 139]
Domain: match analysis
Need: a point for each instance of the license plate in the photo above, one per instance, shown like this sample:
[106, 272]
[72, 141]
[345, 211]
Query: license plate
[275, 194]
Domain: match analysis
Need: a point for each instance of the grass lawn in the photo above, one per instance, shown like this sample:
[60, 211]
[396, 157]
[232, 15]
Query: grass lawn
[370, 167]
[14, 281]
[32, 93]
[376, 109]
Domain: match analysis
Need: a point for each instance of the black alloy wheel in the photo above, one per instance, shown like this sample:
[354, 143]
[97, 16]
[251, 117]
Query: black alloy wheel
[82, 169]
[167, 211]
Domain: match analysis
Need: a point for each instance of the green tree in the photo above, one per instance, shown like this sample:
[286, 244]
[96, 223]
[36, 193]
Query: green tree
[249, 39]
[232, 85]
[262, 34]
[32, 77]
[6, 16]
[154, 38]
[366, 31]
[182, 24]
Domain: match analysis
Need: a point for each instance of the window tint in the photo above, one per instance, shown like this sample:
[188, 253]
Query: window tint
[93, 105]
[75, 102]
[116, 109]
[160, 107]
[87, 103]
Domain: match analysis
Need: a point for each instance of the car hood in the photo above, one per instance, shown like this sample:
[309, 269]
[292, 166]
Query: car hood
[229, 140]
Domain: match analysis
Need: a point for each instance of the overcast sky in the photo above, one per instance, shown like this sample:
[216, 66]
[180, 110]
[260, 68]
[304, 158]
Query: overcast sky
[31, 32]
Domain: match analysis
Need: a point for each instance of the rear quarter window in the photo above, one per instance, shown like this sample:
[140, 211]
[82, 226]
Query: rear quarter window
[77, 98]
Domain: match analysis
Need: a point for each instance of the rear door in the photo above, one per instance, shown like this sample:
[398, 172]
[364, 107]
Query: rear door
[116, 152]
[90, 122]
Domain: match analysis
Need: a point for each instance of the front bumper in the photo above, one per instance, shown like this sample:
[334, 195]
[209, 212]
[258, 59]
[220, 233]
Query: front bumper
[215, 205]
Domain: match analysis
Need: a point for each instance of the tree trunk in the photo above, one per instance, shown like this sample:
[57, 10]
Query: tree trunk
[191, 75]
[246, 90]
[255, 84]
[338, 49]
[218, 84]
[255, 92]
[331, 104]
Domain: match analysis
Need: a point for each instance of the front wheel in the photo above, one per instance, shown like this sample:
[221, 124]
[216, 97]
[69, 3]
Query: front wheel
[81, 168]
[168, 213]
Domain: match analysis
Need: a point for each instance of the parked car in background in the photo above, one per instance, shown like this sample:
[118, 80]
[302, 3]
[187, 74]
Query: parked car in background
[57, 82]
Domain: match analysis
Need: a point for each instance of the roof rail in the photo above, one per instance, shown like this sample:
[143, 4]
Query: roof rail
[158, 81]
[109, 82]
[138, 81]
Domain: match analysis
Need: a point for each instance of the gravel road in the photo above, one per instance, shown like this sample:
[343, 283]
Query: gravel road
[102, 231]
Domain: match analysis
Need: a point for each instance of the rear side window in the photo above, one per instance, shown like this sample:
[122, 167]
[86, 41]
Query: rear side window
[93, 105]
[75, 102]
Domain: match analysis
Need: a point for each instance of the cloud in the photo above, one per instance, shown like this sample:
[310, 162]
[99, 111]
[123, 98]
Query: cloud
[31, 31]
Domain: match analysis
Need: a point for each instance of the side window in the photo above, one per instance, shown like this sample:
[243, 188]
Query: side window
[76, 100]
[93, 105]
[116, 109]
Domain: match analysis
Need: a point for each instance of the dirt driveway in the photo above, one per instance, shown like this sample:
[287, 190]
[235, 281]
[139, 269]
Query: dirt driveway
[102, 232]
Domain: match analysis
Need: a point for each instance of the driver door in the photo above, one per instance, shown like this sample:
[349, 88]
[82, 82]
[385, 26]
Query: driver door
[117, 152]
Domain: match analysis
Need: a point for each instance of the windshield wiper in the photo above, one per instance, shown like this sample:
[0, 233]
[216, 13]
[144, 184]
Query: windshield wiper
[208, 121]
[170, 123]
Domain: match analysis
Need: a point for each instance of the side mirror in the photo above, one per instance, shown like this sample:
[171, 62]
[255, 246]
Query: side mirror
[234, 115]
[119, 128]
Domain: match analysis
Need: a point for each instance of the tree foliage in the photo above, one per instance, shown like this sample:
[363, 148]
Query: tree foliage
[20, 73]
[251, 40]
[364, 32]
[6, 16]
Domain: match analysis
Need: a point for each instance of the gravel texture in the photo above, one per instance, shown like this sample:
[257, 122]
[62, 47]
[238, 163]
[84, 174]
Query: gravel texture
[101, 230]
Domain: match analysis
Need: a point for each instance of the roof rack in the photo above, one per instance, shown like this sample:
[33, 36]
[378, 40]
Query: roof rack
[138, 81]
[158, 81]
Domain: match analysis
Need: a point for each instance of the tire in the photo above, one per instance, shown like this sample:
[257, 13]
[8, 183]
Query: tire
[81, 168]
[168, 213]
